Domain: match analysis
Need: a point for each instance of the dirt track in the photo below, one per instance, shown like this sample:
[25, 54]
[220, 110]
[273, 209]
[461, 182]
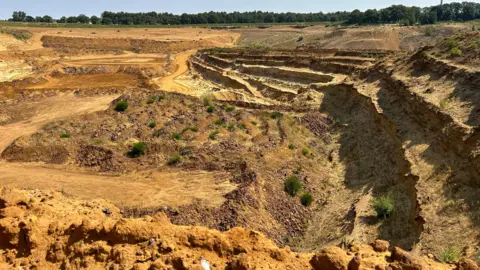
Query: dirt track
[168, 83]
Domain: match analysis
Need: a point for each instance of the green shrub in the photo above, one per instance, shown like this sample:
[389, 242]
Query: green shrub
[207, 101]
[305, 152]
[192, 128]
[137, 150]
[176, 136]
[275, 115]
[213, 135]
[429, 31]
[291, 146]
[219, 122]
[230, 109]
[175, 159]
[254, 123]
[444, 103]
[451, 43]
[231, 127]
[306, 199]
[450, 255]
[161, 97]
[242, 126]
[151, 100]
[292, 185]
[65, 135]
[210, 109]
[383, 206]
[474, 45]
[121, 106]
[456, 52]
[152, 124]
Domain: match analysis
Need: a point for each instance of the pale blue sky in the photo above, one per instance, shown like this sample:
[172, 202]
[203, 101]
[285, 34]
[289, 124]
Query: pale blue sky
[57, 8]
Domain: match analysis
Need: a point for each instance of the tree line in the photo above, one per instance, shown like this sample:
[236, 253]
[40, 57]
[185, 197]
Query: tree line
[394, 14]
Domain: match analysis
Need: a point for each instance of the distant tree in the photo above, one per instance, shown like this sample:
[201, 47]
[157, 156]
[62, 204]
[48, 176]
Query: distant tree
[47, 19]
[30, 19]
[95, 20]
[107, 21]
[385, 15]
[371, 16]
[72, 19]
[38, 19]
[468, 11]
[63, 19]
[269, 18]
[19, 16]
[185, 19]
[428, 17]
[392, 14]
[356, 17]
[82, 18]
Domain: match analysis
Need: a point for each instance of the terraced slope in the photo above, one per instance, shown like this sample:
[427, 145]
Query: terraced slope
[407, 126]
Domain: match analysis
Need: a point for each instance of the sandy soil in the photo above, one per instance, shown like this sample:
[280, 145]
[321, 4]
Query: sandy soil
[143, 190]
[169, 83]
[50, 109]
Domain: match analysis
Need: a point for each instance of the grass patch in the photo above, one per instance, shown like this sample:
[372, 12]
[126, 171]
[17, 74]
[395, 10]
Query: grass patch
[231, 127]
[292, 185]
[306, 199]
[275, 115]
[65, 135]
[451, 42]
[429, 31]
[456, 52]
[444, 103]
[176, 136]
[230, 109]
[254, 123]
[383, 206]
[242, 126]
[22, 35]
[213, 135]
[450, 254]
[192, 128]
[152, 124]
[291, 146]
[210, 109]
[138, 149]
[175, 159]
[305, 152]
[219, 122]
[151, 100]
[207, 101]
[161, 97]
[121, 106]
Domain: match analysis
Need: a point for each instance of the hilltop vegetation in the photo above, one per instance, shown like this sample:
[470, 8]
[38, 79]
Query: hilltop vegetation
[394, 14]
